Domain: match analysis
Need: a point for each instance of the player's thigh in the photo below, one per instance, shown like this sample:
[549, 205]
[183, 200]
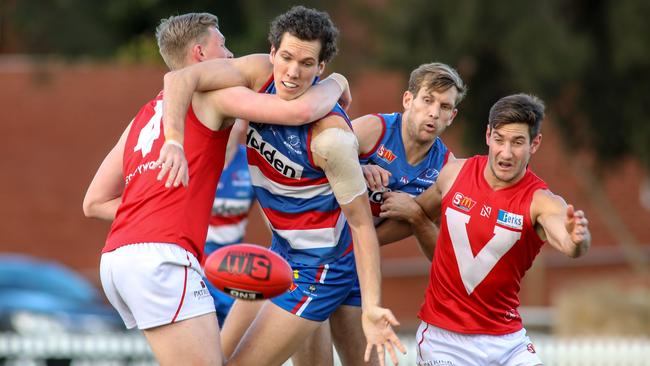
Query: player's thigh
[516, 349]
[316, 350]
[436, 346]
[348, 336]
[156, 284]
[194, 341]
[241, 315]
[272, 338]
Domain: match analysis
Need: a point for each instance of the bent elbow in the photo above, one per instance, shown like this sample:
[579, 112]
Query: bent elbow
[88, 207]
[88, 212]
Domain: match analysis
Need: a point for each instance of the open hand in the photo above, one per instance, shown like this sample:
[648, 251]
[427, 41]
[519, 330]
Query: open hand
[172, 160]
[377, 325]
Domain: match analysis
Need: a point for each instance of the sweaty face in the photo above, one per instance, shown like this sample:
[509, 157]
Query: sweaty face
[510, 149]
[295, 65]
[214, 46]
[428, 113]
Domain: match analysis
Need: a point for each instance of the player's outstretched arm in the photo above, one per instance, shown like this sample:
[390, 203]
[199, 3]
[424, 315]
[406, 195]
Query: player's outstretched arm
[335, 150]
[104, 193]
[177, 94]
[377, 322]
[244, 103]
[565, 228]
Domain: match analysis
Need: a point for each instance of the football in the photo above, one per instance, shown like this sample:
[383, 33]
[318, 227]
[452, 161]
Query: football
[248, 272]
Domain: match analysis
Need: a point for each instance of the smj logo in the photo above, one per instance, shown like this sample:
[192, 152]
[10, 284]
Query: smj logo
[511, 220]
[385, 154]
[253, 265]
[463, 202]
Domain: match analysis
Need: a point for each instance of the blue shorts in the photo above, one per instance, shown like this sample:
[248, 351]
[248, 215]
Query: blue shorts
[317, 291]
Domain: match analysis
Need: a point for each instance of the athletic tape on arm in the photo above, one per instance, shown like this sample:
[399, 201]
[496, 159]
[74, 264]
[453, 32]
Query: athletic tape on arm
[340, 152]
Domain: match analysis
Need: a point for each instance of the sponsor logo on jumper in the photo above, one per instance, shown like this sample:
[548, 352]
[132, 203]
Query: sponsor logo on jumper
[293, 140]
[429, 177]
[254, 266]
[463, 202]
[203, 292]
[531, 348]
[509, 219]
[512, 314]
[377, 196]
[385, 154]
[224, 207]
[274, 157]
[241, 178]
[293, 144]
[404, 179]
[486, 211]
[140, 169]
[292, 288]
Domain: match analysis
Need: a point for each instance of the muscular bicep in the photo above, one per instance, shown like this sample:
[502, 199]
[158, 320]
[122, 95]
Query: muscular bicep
[217, 74]
[368, 129]
[241, 102]
[107, 184]
[269, 108]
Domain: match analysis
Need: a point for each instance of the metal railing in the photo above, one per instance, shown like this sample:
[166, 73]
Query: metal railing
[131, 349]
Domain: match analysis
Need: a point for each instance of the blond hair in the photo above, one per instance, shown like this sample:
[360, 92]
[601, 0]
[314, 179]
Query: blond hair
[176, 33]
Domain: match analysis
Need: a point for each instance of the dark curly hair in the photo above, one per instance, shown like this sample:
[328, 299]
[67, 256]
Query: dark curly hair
[518, 108]
[307, 25]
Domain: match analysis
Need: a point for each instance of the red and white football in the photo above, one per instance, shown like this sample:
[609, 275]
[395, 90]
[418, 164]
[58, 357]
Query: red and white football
[248, 272]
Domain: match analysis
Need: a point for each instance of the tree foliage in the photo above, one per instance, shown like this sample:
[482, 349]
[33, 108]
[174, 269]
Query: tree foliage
[590, 60]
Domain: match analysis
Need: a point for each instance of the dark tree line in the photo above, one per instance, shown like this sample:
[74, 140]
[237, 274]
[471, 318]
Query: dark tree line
[590, 60]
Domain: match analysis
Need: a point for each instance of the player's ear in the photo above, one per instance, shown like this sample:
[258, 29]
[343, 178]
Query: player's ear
[197, 53]
[272, 54]
[407, 99]
[453, 115]
[534, 144]
[487, 135]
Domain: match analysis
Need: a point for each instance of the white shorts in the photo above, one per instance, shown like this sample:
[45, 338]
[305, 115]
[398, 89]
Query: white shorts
[153, 284]
[440, 347]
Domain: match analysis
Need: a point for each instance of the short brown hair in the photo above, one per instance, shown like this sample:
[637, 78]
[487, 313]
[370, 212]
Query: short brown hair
[175, 33]
[518, 108]
[438, 77]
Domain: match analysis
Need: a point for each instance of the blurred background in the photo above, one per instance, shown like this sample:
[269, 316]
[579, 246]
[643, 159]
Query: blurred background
[73, 73]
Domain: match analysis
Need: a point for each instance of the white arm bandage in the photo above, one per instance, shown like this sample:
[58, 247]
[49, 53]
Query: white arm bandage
[340, 151]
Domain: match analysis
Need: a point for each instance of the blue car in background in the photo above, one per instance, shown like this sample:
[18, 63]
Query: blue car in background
[39, 296]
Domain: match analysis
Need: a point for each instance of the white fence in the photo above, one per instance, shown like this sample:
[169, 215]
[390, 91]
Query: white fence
[130, 349]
